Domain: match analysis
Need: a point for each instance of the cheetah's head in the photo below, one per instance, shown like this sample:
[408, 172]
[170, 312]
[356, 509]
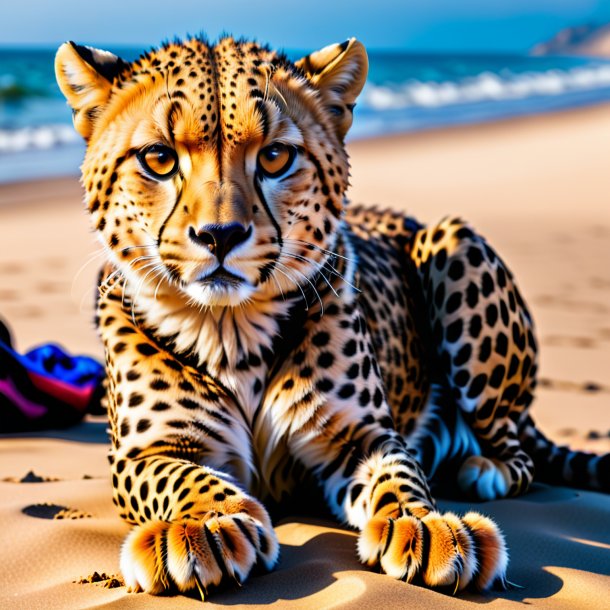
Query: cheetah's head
[217, 171]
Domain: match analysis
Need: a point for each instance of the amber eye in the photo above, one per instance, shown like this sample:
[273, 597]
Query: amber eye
[276, 159]
[159, 161]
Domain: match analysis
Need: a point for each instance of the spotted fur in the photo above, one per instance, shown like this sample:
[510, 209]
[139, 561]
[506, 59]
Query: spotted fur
[259, 331]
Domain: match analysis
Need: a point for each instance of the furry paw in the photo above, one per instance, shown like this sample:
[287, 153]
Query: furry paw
[437, 550]
[196, 553]
[483, 479]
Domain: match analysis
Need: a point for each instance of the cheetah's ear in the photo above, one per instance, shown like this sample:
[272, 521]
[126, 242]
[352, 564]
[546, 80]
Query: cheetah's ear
[85, 76]
[339, 71]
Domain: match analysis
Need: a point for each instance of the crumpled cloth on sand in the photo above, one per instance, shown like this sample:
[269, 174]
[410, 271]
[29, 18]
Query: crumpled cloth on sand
[46, 387]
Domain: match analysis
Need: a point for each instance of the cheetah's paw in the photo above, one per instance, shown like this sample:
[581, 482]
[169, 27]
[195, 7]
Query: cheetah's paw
[437, 550]
[193, 554]
[483, 478]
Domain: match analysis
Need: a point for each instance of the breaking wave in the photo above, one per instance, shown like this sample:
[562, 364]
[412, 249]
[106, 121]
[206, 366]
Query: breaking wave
[42, 137]
[485, 87]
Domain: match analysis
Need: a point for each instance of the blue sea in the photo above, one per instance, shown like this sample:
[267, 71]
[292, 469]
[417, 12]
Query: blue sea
[405, 92]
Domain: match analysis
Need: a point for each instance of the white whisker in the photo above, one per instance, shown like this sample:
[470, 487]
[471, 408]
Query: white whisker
[291, 279]
[92, 258]
[308, 281]
[307, 243]
[156, 267]
[331, 270]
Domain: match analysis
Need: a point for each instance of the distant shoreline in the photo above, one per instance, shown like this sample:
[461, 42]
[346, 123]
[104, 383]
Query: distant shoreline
[64, 161]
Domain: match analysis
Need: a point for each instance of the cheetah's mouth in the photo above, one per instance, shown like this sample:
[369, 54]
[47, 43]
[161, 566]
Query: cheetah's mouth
[221, 287]
[221, 278]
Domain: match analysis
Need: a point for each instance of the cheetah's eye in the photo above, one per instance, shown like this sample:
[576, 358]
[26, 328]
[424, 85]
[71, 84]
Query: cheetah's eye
[159, 161]
[276, 159]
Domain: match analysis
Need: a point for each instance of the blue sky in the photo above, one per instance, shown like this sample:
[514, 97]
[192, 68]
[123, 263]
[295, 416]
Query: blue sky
[425, 25]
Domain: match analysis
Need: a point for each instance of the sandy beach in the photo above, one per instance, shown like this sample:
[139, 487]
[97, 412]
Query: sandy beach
[537, 188]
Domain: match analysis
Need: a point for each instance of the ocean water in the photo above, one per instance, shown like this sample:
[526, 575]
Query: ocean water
[405, 92]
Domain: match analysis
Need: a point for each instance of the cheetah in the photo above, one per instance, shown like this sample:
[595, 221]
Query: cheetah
[262, 334]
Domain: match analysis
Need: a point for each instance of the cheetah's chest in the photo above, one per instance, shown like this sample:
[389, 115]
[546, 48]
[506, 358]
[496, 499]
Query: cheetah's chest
[263, 465]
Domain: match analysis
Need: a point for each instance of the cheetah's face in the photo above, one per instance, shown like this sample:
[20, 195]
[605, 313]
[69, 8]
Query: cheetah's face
[215, 171]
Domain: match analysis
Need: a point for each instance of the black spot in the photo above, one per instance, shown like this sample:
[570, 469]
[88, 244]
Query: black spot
[475, 326]
[485, 350]
[454, 302]
[456, 270]
[325, 385]
[135, 399]
[440, 259]
[525, 366]
[518, 337]
[349, 348]
[464, 232]
[143, 425]
[501, 344]
[346, 390]
[487, 284]
[472, 295]
[119, 347]
[491, 314]
[461, 378]
[353, 371]
[321, 339]
[510, 393]
[454, 331]
[497, 376]
[325, 360]
[146, 349]
[486, 410]
[187, 386]
[501, 277]
[513, 367]
[159, 384]
[172, 364]
[161, 484]
[477, 385]
[475, 257]
[188, 403]
[438, 235]
[463, 355]
[504, 313]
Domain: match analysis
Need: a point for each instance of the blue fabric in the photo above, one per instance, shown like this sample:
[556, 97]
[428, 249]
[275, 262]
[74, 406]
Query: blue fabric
[46, 387]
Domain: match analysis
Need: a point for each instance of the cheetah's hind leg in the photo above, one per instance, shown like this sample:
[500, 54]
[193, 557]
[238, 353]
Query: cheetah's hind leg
[485, 350]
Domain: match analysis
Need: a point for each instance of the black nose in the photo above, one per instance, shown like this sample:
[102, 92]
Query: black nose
[220, 239]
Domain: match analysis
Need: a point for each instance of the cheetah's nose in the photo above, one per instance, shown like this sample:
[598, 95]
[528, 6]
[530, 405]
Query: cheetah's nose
[220, 239]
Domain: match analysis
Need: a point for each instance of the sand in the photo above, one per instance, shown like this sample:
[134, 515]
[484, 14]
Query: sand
[537, 188]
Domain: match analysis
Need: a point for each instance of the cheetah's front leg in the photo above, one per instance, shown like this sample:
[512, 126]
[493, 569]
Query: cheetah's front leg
[340, 426]
[194, 526]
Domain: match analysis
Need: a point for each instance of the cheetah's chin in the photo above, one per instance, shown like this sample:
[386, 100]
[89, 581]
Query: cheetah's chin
[219, 293]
